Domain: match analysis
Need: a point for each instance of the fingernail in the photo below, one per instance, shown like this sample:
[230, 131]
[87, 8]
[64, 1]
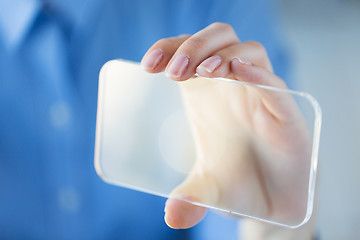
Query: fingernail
[210, 64]
[152, 59]
[243, 62]
[178, 66]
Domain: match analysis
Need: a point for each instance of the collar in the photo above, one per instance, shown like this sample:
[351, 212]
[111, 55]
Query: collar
[75, 12]
[15, 21]
[16, 18]
[72, 11]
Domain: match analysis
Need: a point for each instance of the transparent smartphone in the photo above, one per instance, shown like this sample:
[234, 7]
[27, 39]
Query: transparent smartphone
[235, 147]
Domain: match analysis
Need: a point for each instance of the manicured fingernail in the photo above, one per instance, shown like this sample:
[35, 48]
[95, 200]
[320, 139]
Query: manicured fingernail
[178, 66]
[243, 62]
[152, 59]
[210, 64]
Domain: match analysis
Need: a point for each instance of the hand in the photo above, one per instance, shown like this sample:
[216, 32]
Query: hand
[248, 137]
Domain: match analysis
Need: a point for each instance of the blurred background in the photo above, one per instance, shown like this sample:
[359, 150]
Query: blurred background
[324, 43]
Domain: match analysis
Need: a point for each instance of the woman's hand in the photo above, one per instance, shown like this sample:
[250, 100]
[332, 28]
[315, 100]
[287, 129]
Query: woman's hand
[253, 145]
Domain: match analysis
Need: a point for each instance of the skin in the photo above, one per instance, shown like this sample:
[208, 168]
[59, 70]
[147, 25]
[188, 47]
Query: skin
[247, 144]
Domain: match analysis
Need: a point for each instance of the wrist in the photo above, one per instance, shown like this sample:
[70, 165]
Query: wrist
[252, 229]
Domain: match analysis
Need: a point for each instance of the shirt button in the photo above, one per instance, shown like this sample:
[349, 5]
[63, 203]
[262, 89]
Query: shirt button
[59, 114]
[69, 199]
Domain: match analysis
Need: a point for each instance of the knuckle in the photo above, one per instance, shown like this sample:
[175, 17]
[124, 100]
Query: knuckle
[185, 35]
[260, 53]
[162, 41]
[171, 41]
[222, 26]
[257, 46]
[194, 43]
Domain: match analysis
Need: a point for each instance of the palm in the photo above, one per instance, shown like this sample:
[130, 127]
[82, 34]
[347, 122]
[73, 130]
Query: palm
[243, 150]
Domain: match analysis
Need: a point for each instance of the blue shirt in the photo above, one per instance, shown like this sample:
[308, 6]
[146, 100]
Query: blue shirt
[50, 56]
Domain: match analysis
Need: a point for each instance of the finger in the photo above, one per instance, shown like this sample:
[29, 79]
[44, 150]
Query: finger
[159, 55]
[249, 72]
[197, 48]
[280, 104]
[218, 65]
[181, 214]
[200, 187]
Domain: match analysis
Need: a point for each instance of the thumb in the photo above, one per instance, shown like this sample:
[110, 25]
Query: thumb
[180, 210]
